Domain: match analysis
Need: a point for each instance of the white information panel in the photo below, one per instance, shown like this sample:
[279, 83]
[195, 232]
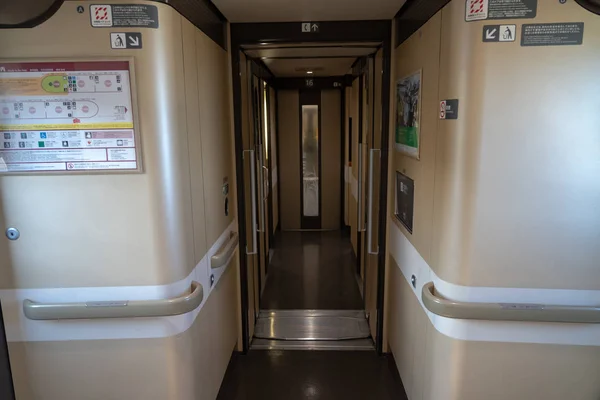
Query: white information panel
[66, 116]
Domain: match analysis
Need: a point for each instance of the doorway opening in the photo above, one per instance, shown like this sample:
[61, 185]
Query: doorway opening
[309, 124]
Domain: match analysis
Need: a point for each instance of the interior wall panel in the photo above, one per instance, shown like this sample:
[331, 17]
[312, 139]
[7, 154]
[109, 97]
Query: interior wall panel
[353, 199]
[289, 142]
[330, 158]
[506, 173]
[146, 234]
[274, 157]
[215, 118]
[487, 223]
[421, 52]
[154, 235]
[190, 65]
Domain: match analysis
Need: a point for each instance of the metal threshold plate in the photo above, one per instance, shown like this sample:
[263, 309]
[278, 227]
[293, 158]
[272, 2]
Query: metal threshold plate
[312, 325]
[326, 345]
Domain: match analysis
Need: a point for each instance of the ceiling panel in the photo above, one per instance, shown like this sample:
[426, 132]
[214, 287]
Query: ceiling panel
[294, 67]
[307, 10]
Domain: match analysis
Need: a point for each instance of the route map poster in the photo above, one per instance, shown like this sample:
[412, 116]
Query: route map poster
[66, 116]
[408, 98]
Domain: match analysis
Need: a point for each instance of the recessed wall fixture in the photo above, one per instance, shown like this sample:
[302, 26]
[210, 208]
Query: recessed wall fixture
[309, 72]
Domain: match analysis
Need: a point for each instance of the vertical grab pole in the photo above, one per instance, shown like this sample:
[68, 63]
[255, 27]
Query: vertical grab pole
[261, 184]
[370, 204]
[361, 217]
[253, 184]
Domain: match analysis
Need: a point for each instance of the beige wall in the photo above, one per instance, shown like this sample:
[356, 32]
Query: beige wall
[502, 200]
[146, 229]
[420, 52]
[434, 366]
[545, 199]
[190, 365]
[154, 234]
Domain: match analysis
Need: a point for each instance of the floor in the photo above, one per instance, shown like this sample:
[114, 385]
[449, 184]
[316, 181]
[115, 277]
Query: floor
[291, 375]
[312, 271]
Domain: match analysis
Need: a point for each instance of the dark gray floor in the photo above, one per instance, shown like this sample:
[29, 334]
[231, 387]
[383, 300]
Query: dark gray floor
[291, 375]
[312, 271]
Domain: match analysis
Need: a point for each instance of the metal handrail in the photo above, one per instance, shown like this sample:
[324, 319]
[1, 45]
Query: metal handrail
[253, 202]
[370, 204]
[360, 206]
[507, 311]
[224, 253]
[115, 309]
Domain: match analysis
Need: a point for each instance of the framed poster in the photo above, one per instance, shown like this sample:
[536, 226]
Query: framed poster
[67, 117]
[408, 114]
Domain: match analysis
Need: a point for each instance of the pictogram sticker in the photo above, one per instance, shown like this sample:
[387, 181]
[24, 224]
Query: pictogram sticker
[476, 10]
[101, 15]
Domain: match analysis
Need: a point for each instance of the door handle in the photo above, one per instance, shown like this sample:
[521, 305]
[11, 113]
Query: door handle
[253, 195]
[370, 204]
[361, 217]
[225, 252]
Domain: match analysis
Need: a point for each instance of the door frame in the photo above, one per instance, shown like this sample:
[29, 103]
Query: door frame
[291, 32]
[7, 389]
[310, 97]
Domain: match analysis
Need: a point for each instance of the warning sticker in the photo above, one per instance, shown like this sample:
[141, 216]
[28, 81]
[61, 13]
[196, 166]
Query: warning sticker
[123, 15]
[449, 109]
[61, 116]
[477, 10]
[556, 34]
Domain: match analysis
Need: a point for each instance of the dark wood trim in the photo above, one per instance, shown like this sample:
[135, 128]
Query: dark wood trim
[241, 200]
[309, 57]
[310, 97]
[260, 69]
[342, 156]
[258, 146]
[413, 15]
[37, 20]
[326, 46]
[7, 390]
[319, 83]
[359, 245]
[329, 31]
[385, 134]
[204, 15]
[270, 177]
[278, 161]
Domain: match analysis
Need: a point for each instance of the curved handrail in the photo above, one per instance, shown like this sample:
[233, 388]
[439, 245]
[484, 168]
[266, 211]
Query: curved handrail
[224, 253]
[507, 311]
[115, 309]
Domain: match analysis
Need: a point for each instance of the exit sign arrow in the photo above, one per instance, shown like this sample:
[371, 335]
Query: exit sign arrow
[134, 41]
[310, 27]
[490, 34]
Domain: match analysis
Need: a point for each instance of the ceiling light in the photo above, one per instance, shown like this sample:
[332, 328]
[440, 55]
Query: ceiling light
[263, 43]
[309, 72]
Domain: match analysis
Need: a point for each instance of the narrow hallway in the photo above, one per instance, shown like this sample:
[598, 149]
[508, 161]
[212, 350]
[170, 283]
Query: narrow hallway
[312, 271]
[296, 375]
